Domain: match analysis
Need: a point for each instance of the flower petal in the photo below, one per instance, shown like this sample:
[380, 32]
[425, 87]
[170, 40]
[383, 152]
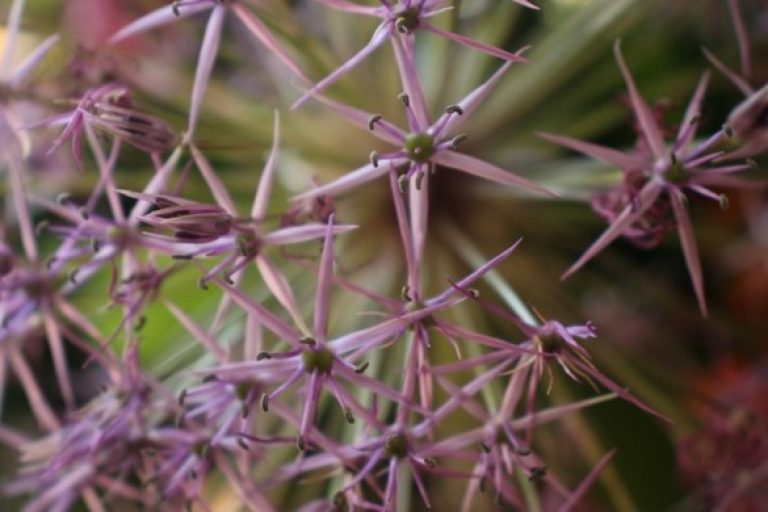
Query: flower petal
[610, 156]
[645, 199]
[157, 18]
[382, 33]
[691, 253]
[488, 171]
[645, 119]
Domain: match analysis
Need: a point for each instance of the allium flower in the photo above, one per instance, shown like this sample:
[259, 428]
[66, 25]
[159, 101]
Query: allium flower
[325, 363]
[108, 108]
[399, 22]
[423, 147]
[656, 178]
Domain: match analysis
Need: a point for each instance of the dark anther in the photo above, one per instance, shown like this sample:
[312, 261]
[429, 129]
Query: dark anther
[241, 442]
[265, 403]
[724, 201]
[182, 256]
[263, 355]
[175, 8]
[374, 158]
[485, 447]
[360, 369]
[310, 342]
[63, 198]
[348, 416]
[182, 397]
[537, 473]
[201, 283]
[402, 183]
[300, 443]
[84, 214]
[404, 98]
[209, 378]
[458, 140]
[40, 227]
[419, 179]
[373, 120]
[140, 324]
[454, 109]
[405, 294]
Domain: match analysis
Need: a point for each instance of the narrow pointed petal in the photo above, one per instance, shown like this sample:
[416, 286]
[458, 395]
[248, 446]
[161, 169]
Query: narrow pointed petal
[488, 171]
[382, 129]
[742, 39]
[691, 253]
[382, 33]
[472, 101]
[310, 406]
[350, 7]
[409, 76]
[264, 189]
[419, 199]
[610, 156]
[451, 291]
[526, 3]
[262, 314]
[692, 112]
[576, 496]
[262, 33]
[305, 233]
[352, 179]
[281, 289]
[12, 34]
[22, 72]
[612, 386]
[645, 198]
[324, 281]
[474, 44]
[402, 222]
[741, 84]
[217, 188]
[205, 339]
[208, 51]
[645, 118]
[156, 18]
[558, 412]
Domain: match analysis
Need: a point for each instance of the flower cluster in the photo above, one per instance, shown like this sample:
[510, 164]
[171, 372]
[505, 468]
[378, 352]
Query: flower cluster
[354, 397]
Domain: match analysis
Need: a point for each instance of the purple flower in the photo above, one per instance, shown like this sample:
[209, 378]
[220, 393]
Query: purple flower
[399, 22]
[324, 364]
[109, 108]
[656, 178]
[422, 148]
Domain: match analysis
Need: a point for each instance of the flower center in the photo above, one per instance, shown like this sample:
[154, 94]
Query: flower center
[318, 360]
[550, 343]
[248, 244]
[420, 147]
[396, 445]
[407, 20]
[676, 172]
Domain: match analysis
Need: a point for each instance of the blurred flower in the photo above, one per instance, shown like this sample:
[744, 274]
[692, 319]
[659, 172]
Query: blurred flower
[726, 461]
[655, 180]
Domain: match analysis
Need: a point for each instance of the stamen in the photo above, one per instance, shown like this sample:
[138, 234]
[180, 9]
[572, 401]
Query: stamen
[373, 120]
